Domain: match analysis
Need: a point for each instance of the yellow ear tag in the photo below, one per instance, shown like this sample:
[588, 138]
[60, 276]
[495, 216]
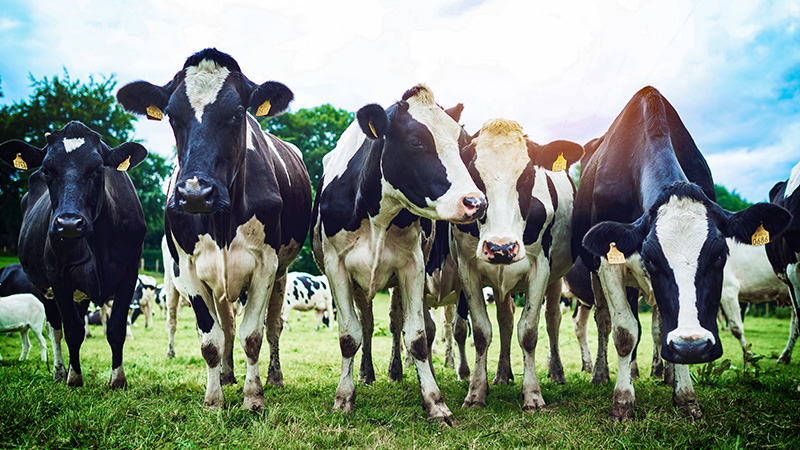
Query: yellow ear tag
[154, 113]
[615, 256]
[124, 165]
[263, 110]
[372, 128]
[20, 163]
[761, 236]
[560, 163]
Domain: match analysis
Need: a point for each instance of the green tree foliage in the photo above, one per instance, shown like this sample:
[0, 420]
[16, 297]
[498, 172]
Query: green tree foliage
[54, 103]
[315, 132]
[731, 201]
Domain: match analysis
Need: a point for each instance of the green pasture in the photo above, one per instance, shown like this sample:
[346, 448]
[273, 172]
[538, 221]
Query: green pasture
[745, 407]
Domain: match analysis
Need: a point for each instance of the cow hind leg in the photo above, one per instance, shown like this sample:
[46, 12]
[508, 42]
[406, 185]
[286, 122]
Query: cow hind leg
[350, 335]
[602, 318]
[430, 334]
[460, 335]
[396, 328]
[553, 322]
[505, 321]
[482, 338]
[448, 313]
[274, 329]
[366, 372]
[74, 335]
[172, 319]
[251, 336]
[580, 321]
[26, 343]
[657, 370]
[794, 328]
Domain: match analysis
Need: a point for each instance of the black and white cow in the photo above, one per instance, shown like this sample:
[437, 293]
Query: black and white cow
[388, 168]
[82, 233]
[784, 252]
[647, 193]
[145, 297]
[238, 209]
[306, 292]
[522, 245]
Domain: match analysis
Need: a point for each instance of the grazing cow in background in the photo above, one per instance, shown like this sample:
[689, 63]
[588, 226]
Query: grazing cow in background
[82, 233]
[238, 209]
[145, 297]
[645, 216]
[305, 292]
[784, 251]
[23, 313]
[388, 168]
[522, 246]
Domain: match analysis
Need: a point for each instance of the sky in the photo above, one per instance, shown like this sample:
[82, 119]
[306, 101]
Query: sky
[563, 70]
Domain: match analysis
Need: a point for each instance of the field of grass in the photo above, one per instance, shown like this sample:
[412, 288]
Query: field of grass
[162, 407]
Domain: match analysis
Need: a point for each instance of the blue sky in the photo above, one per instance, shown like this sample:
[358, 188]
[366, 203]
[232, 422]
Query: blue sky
[564, 70]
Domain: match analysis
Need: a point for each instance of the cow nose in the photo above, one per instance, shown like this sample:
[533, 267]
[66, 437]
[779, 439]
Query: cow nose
[474, 207]
[195, 196]
[70, 226]
[498, 253]
[691, 349]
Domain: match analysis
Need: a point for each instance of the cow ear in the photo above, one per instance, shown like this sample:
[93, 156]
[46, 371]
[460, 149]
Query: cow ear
[455, 112]
[270, 99]
[21, 155]
[373, 121]
[126, 156]
[143, 98]
[744, 224]
[555, 156]
[777, 190]
[468, 154]
[627, 237]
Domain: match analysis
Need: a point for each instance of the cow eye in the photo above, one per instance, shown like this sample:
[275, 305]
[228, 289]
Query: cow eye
[237, 116]
[416, 143]
[45, 172]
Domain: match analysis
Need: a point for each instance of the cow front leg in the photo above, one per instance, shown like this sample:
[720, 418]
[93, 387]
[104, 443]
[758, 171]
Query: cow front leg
[366, 372]
[448, 315]
[552, 315]
[481, 337]
[74, 333]
[657, 370]
[528, 335]
[396, 329]
[251, 338]
[211, 343]
[683, 397]
[580, 321]
[350, 334]
[460, 331]
[793, 277]
[172, 299]
[602, 319]
[505, 321]
[430, 334]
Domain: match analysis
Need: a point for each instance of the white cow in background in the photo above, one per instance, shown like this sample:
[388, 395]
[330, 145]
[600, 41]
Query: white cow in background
[23, 312]
[305, 292]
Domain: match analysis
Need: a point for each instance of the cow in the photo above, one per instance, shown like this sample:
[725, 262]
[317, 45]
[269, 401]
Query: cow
[645, 216]
[238, 209]
[145, 297]
[389, 167]
[82, 234]
[784, 252]
[305, 292]
[521, 246]
[23, 313]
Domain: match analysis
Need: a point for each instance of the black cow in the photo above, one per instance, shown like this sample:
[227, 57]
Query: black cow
[238, 209]
[645, 214]
[82, 233]
[388, 168]
[784, 252]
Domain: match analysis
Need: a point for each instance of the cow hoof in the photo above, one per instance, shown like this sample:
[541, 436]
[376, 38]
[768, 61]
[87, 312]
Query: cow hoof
[449, 362]
[784, 358]
[214, 402]
[170, 354]
[227, 378]
[74, 379]
[118, 380]
[557, 378]
[275, 379]
[475, 404]
[59, 373]
[535, 406]
[588, 367]
[692, 412]
[254, 403]
[634, 371]
[344, 403]
[599, 378]
[502, 378]
[367, 379]
[463, 374]
[621, 412]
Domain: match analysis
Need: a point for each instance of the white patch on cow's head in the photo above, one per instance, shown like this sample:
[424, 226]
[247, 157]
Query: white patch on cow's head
[203, 82]
[445, 131]
[794, 181]
[334, 163]
[71, 144]
[682, 229]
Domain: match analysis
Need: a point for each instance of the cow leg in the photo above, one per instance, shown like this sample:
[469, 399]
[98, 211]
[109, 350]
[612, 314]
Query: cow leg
[552, 315]
[481, 336]
[430, 334]
[657, 370]
[251, 336]
[505, 320]
[350, 334]
[26, 344]
[37, 333]
[580, 320]
[226, 313]
[366, 372]
[448, 315]
[55, 332]
[623, 324]
[73, 333]
[320, 313]
[633, 301]
[729, 305]
[602, 319]
[212, 340]
[683, 397]
[396, 328]
[460, 336]
[172, 299]
[118, 327]
[528, 334]
[274, 329]
[793, 277]
[411, 281]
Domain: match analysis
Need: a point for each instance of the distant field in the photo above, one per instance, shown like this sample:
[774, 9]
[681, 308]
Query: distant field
[162, 407]
[6, 260]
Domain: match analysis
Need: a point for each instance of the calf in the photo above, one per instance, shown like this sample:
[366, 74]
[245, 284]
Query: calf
[388, 168]
[23, 313]
[238, 209]
[82, 233]
[305, 292]
[645, 215]
[523, 245]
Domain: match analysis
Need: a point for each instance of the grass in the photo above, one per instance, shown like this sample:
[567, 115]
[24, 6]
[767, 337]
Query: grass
[162, 407]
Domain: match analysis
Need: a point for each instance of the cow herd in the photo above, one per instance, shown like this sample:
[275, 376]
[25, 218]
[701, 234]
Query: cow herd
[411, 202]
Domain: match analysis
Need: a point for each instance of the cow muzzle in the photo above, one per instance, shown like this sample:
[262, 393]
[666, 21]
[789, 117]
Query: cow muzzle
[501, 252]
[195, 196]
[694, 347]
[70, 226]
[473, 207]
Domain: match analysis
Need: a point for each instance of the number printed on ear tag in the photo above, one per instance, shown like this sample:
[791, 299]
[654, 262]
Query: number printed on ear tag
[615, 256]
[263, 110]
[560, 163]
[124, 165]
[761, 236]
[20, 163]
[153, 112]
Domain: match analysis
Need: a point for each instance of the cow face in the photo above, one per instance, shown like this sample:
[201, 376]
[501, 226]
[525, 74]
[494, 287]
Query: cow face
[74, 165]
[206, 104]
[420, 164]
[501, 160]
[681, 241]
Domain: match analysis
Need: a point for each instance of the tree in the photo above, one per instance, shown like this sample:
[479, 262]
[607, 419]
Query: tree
[54, 103]
[731, 201]
[315, 132]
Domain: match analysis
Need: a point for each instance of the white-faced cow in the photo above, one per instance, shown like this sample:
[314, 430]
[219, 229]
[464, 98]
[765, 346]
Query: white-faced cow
[306, 292]
[522, 245]
[238, 209]
[82, 233]
[784, 252]
[645, 215]
[388, 168]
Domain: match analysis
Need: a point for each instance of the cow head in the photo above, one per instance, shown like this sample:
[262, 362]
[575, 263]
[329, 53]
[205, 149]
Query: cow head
[501, 160]
[681, 241]
[420, 162]
[74, 164]
[206, 103]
